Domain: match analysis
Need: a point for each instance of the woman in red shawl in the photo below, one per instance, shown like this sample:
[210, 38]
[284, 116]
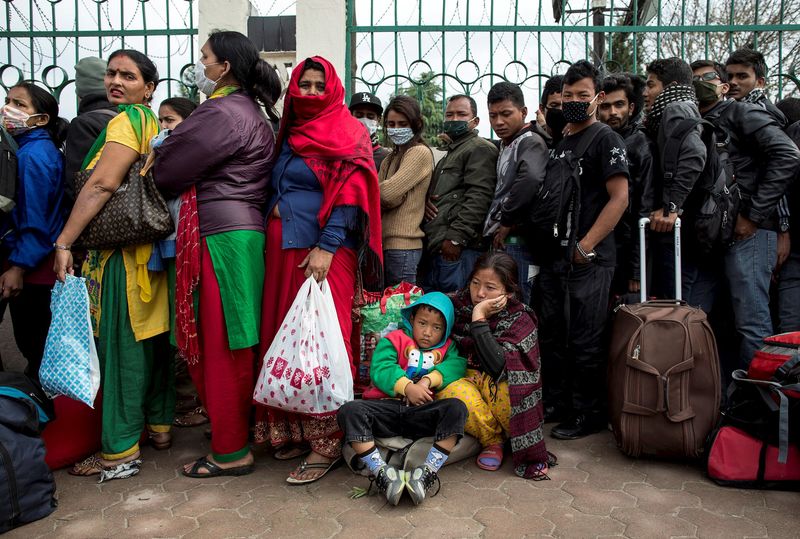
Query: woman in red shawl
[323, 220]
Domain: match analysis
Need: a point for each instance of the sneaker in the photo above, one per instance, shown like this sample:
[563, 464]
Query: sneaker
[419, 481]
[390, 482]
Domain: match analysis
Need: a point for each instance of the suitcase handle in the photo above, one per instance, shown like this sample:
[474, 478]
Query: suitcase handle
[643, 222]
[663, 391]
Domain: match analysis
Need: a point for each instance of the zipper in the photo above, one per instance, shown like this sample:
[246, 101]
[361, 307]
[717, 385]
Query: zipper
[636, 352]
[5, 460]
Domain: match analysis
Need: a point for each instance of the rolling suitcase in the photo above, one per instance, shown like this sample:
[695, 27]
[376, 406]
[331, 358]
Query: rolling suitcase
[663, 372]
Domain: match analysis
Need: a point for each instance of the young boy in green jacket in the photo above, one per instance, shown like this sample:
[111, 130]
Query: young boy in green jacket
[407, 367]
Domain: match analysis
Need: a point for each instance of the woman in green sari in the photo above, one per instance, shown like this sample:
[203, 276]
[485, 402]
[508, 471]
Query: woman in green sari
[129, 303]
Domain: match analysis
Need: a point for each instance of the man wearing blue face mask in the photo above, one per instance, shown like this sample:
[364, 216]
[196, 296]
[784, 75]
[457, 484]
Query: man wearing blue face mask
[461, 191]
[368, 109]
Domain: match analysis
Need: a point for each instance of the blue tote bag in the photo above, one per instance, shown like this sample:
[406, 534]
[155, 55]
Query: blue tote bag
[70, 365]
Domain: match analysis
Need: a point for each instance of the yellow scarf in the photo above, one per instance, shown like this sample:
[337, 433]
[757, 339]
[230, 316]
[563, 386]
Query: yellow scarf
[147, 291]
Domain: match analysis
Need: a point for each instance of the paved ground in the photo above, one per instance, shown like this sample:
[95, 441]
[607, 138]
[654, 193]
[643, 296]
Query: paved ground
[594, 492]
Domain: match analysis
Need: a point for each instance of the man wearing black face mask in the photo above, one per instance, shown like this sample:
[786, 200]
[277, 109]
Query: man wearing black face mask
[764, 161]
[549, 115]
[621, 111]
[461, 190]
[572, 338]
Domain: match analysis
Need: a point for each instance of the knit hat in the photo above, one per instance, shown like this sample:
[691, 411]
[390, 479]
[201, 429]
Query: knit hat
[89, 75]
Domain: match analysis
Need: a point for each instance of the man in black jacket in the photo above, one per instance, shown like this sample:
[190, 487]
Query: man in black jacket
[621, 111]
[764, 161]
[789, 278]
[746, 71]
[94, 113]
[669, 100]
[520, 172]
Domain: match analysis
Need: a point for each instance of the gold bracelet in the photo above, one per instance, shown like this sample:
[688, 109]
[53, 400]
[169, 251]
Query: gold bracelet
[62, 247]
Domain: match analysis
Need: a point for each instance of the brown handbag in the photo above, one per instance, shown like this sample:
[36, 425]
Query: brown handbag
[136, 213]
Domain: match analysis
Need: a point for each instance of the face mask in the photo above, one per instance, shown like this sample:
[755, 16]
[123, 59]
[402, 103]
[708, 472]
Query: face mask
[371, 125]
[400, 135]
[706, 92]
[554, 118]
[16, 121]
[204, 84]
[455, 128]
[577, 112]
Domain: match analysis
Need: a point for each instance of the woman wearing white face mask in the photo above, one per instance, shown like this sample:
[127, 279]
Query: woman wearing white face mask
[404, 179]
[218, 160]
[30, 116]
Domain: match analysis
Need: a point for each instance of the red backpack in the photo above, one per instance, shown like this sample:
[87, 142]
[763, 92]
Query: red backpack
[757, 441]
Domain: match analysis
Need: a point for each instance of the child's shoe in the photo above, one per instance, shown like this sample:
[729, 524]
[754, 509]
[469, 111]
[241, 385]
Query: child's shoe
[390, 482]
[419, 481]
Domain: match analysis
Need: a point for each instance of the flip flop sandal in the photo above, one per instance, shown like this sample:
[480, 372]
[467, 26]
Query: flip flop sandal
[94, 466]
[214, 470]
[304, 466]
[491, 458]
[291, 453]
[194, 418]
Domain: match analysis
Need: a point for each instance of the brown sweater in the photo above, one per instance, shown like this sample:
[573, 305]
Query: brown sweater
[404, 185]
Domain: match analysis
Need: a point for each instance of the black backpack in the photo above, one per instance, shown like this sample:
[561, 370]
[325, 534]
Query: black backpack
[555, 210]
[27, 489]
[8, 172]
[715, 197]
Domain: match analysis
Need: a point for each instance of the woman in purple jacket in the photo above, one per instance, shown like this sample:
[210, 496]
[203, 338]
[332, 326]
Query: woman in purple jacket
[219, 160]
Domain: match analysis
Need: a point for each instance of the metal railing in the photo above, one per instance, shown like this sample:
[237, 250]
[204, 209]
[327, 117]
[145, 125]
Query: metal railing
[465, 46]
[42, 40]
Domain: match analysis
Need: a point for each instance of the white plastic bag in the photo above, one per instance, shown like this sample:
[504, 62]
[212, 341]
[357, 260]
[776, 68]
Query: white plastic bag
[306, 369]
[70, 366]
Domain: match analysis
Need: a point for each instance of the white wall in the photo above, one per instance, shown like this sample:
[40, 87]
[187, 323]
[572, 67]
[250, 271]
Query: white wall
[321, 31]
[221, 15]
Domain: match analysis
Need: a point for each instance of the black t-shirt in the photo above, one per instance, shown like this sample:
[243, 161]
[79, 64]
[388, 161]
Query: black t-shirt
[604, 158]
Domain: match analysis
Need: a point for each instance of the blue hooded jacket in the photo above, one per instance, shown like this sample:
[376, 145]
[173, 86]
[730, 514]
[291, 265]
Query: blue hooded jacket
[37, 219]
[441, 303]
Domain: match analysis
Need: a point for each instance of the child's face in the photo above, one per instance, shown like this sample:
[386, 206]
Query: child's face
[427, 327]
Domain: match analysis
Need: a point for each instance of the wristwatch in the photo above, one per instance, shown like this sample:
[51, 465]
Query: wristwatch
[672, 208]
[784, 224]
[590, 256]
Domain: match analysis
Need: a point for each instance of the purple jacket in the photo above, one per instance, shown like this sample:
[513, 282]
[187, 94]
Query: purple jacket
[225, 148]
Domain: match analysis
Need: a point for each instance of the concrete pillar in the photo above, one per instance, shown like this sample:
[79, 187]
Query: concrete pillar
[322, 31]
[221, 15]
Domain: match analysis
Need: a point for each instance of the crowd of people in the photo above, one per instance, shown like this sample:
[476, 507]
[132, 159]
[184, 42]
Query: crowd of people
[517, 322]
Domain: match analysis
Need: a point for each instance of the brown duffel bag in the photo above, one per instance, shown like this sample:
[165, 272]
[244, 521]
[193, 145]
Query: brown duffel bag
[664, 382]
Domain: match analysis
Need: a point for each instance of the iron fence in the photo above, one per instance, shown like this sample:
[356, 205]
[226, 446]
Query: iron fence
[42, 40]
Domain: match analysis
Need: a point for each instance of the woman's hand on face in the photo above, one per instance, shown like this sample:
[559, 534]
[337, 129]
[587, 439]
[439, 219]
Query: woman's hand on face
[11, 282]
[317, 263]
[63, 264]
[489, 307]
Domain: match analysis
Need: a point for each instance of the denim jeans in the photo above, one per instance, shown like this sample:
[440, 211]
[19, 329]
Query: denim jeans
[572, 324]
[789, 294]
[449, 276]
[748, 266]
[365, 420]
[400, 265]
[525, 272]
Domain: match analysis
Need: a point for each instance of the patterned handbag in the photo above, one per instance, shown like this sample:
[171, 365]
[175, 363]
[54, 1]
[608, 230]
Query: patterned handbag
[136, 213]
[70, 365]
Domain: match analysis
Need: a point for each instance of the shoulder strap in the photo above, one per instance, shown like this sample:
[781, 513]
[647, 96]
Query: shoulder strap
[588, 138]
[670, 156]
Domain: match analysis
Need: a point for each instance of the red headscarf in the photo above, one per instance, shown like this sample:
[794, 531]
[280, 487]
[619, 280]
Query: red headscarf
[338, 150]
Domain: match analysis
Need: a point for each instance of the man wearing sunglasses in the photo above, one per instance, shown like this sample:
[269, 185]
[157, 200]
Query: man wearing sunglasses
[764, 160]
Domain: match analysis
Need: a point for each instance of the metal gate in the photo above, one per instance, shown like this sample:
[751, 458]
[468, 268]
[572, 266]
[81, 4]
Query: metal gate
[435, 48]
[42, 40]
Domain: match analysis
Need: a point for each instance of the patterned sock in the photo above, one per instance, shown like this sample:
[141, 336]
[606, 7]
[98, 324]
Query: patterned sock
[436, 457]
[372, 459]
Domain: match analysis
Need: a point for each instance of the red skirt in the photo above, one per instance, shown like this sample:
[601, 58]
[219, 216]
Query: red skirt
[282, 280]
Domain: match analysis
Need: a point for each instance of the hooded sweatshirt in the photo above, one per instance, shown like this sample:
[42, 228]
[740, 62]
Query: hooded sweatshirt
[399, 361]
